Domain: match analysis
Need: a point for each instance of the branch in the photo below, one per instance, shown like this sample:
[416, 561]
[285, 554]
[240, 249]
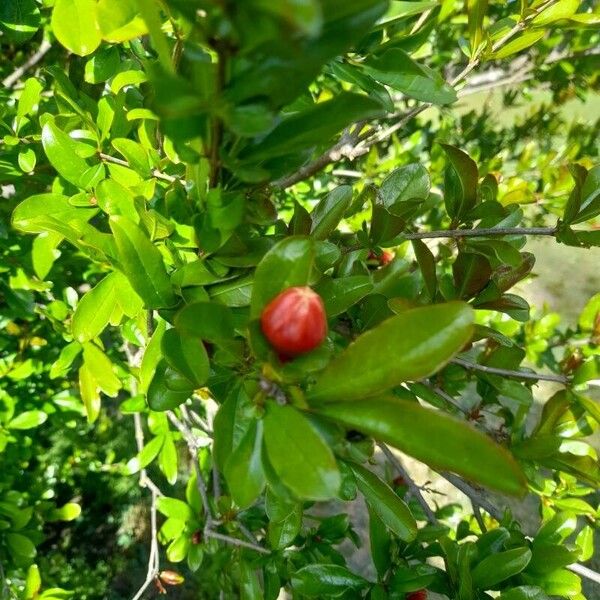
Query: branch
[483, 232]
[584, 572]
[412, 486]
[235, 541]
[475, 496]
[510, 373]
[156, 173]
[153, 560]
[372, 136]
[33, 60]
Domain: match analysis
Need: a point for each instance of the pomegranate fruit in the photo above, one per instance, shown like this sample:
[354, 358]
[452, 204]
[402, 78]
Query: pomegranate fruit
[295, 322]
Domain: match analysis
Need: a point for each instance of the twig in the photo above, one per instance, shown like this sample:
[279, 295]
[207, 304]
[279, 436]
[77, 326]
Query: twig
[153, 560]
[413, 488]
[155, 172]
[235, 541]
[33, 60]
[478, 516]
[584, 572]
[482, 232]
[510, 373]
[474, 495]
[372, 136]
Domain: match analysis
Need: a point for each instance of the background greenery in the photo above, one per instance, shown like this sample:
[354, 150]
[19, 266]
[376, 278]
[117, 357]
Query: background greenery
[116, 103]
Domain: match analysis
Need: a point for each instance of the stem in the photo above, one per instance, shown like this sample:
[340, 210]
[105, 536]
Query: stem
[235, 541]
[510, 373]
[33, 60]
[584, 572]
[156, 173]
[473, 495]
[217, 124]
[412, 486]
[483, 232]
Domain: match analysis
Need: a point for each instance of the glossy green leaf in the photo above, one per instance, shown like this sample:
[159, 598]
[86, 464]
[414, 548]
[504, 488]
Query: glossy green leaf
[28, 420]
[524, 592]
[27, 160]
[410, 182]
[563, 9]
[119, 20]
[244, 470]
[590, 196]
[315, 125]
[408, 346]
[410, 428]
[299, 455]
[340, 294]
[94, 310]
[67, 512]
[426, 262]
[329, 212]
[461, 182]
[142, 263]
[398, 70]
[518, 43]
[19, 20]
[75, 25]
[385, 503]
[289, 263]
[498, 567]
[326, 581]
[186, 354]
[168, 459]
[61, 151]
[476, 10]
[285, 520]
[167, 389]
[20, 545]
[207, 320]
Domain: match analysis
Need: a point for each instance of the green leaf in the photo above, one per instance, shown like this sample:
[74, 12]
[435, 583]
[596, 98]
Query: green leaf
[28, 420]
[328, 213]
[28, 100]
[75, 26]
[398, 70]
[178, 548]
[408, 346]
[67, 512]
[186, 354]
[498, 567]
[61, 151]
[547, 558]
[39, 213]
[20, 546]
[299, 455]
[521, 42]
[314, 126]
[289, 263]
[207, 320]
[585, 543]
[563, 9]
[94, 310]
[410, 182]
[590, 196]
[326, 581]
[461, 182]
[168, 459]
[19, 20]
[285, 520]
[411, 428]
[385, 503]
[243, 470]
[119, 20]
[524, 592]
[340, 294]
[305, 15]
[471, 274]
[426, 262]
[476, 10]
[142, 263]
[135, 154]
[147, 455]
[33, 583]
[27, 160]
[168, 389]
[67, 355]
[174, 508]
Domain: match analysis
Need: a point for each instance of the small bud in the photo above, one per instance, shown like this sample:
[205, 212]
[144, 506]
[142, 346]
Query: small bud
[171, 578]
[197, 537]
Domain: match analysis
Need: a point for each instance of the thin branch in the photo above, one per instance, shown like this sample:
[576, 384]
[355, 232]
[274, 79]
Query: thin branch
[475, 496]
[510, 373]
[478, 516]
[156, 173]
[483, 232]
[33, 60]
[373, 136]
[153, 560]
[413, 488]
[584, 572]
[235, 541]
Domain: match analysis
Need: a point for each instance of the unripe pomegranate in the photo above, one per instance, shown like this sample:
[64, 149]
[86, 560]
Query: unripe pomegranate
[418, 595]
[171, 577]
[295, 322]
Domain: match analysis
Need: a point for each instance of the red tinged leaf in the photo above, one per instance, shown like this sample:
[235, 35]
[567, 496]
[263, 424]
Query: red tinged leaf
[295, 322]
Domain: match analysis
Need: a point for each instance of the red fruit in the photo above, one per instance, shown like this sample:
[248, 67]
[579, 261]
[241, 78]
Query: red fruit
[418, 595]
[387, 256]
[295, 322]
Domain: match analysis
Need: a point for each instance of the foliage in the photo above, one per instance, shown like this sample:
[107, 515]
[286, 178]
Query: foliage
[168, 170]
